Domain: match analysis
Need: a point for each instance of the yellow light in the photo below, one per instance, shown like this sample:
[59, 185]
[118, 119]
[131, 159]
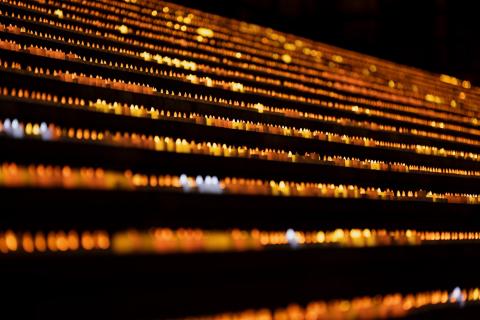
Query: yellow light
[205, 32]
[58, 13]
[338, 235]
[28, 129]
[154, 13]
[290, 46]
[433, 98]
[260, 107]
[450, 80]
[320, 236]
[123, 29]
[235, 86]
[146, 56]
[337, 58]
[286, 58]
[355, 233]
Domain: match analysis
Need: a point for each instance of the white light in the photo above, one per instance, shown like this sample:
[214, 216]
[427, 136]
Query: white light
[45, 131]
[7, 126]
[17, 130]
[184, 182]
[292, 238]
[183, 179]
[457, 296]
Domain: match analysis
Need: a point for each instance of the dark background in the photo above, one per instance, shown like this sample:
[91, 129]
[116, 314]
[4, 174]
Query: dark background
[442, 36]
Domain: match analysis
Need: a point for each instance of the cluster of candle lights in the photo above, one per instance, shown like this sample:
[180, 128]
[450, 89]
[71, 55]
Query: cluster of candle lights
[252, 50]
[40, 176]
[329, 94]
[239, 87]
[184, 240]
[154, 113]
[235, 86]
[231, 56]
[389, 306]
[278, 88]
[18, 129]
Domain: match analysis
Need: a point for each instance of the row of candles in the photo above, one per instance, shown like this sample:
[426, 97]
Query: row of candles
[185, 240]
[396, 305]
[17, 129]
[344, 87]
[46, 176]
